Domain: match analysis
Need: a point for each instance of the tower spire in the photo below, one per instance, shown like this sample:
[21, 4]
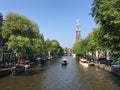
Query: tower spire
[78, 23]
[78, 36]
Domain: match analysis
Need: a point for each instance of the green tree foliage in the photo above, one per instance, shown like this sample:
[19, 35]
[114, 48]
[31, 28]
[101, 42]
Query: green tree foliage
[94, 40]
[48, 45]
[80, 47]
[23, 35]
[107, 14]
[17, 24]
[53, 46]
[18, 44]
[39, 46]
[66, 49]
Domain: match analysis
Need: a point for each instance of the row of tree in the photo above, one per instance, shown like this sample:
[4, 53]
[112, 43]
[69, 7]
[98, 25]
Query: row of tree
[106, 36]
[22, 37]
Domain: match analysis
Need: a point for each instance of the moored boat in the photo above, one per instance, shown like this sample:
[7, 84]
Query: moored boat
[17, 69]
[64, 62]
[84, 62]
[91, 64]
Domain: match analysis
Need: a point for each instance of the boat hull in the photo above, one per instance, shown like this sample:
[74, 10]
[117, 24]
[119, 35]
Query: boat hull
[17, 69]
[84, 64]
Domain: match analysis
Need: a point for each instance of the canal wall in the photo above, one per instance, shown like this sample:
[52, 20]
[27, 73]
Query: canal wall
[4, 72]
[110, 69]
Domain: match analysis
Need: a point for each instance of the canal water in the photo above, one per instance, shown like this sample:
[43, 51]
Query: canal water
[53, 76]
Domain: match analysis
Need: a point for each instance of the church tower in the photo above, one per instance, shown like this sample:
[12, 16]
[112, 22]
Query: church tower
[78, 36]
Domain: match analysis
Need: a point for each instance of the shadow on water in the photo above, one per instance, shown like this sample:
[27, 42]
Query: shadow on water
[4, 74]
[64, 67]
[115, 78]
[34, 70]
[41, 68]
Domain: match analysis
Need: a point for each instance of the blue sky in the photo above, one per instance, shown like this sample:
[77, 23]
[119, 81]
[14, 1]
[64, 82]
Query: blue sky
[56, 18]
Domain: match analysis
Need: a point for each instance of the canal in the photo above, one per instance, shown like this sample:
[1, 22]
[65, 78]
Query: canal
[53, 76]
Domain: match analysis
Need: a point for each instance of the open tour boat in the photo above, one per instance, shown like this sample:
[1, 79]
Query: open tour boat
[64, 62]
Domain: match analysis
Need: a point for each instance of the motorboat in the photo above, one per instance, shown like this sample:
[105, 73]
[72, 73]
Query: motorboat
[84, 62]
[64, 62]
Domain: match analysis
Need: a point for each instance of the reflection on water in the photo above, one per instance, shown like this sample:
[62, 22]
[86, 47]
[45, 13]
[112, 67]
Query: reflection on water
[54, 76]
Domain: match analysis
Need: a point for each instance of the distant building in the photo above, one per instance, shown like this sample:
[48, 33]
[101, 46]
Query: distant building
[78, 33]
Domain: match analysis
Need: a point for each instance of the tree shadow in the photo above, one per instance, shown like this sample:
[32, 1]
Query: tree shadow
[33, 71]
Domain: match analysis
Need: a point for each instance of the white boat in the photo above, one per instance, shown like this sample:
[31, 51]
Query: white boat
[84, 62]
[74, 55]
